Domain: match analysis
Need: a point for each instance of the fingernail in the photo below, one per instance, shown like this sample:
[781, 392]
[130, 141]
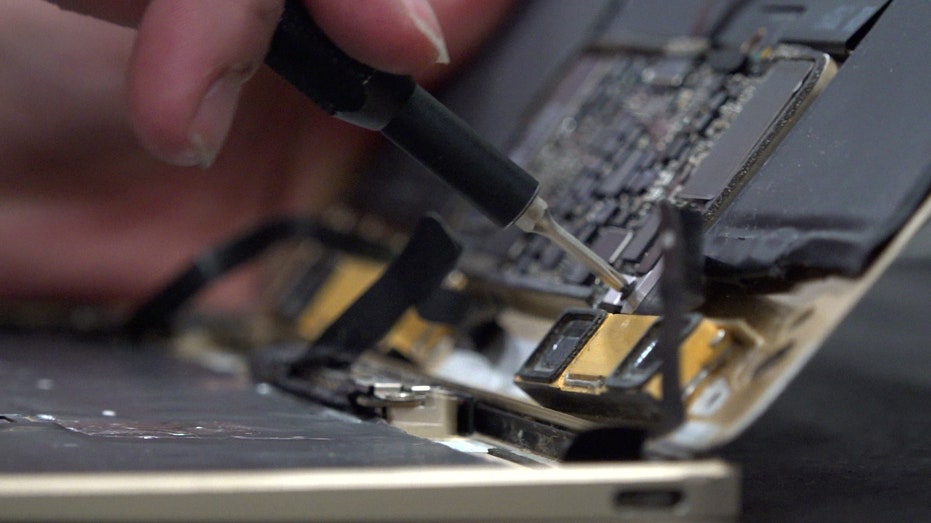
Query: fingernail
[213, 117]
[203, 154]
[424, 18]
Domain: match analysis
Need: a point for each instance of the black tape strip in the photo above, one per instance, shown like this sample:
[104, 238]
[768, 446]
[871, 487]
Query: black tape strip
[409, 280]
[445, 306]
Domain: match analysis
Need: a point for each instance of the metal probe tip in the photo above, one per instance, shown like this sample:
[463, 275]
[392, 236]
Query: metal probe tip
[538, 219]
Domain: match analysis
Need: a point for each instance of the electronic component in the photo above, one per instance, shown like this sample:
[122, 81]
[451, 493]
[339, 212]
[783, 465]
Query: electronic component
[626, 130]
[724, 162]
[605, 366]
[567, 337]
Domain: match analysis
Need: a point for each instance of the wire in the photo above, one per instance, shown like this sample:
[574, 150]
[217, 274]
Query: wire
[155, 313]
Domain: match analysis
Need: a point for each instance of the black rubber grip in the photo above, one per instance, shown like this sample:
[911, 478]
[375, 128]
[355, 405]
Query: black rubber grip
[303, 55]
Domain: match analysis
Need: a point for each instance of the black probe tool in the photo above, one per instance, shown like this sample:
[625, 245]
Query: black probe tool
[416, 122]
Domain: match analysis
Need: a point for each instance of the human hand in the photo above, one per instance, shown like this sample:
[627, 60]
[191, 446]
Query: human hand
[89, 214]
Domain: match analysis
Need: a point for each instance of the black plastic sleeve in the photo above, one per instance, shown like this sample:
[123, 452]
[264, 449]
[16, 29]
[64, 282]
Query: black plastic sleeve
[437, 138]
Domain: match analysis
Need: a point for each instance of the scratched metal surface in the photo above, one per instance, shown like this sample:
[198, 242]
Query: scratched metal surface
[102, 406]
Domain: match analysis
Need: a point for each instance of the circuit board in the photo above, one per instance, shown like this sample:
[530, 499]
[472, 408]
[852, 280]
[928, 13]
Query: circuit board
[624, 130]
